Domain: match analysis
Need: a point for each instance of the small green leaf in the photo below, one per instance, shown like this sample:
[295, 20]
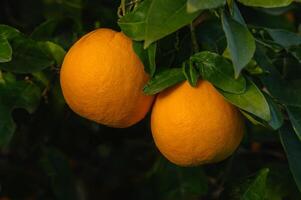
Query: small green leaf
[164, 80]
[240, 43]
[292, 147]
[15, 94]
[257, 188]
[5, 50]
[147, 56]
[219, 72]
[190, 73]
[284, 38]
[155, 19]
[57, 167]
[28, 56]
[195, 5]
[252, 100]
[266, 3]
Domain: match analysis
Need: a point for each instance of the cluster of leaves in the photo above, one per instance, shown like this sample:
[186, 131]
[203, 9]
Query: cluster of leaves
[251, 71]
[248, 49]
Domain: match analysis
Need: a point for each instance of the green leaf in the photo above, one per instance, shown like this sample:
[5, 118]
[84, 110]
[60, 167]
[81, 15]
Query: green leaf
[8, 32]
[55, 51]
[15, 94]
[294, 113]
[219, 72]
[276, 115]
[266, 3]
[296, 52]
[57, 167]
[147, 56]
[292, 147]
[240, 43]
[155, 19]
[164, 80]
[28, 56]
[195, 5]
[190, 73]
[257, 188]
[173, 182]
[284, 38]
[252, 100]
[5, 50]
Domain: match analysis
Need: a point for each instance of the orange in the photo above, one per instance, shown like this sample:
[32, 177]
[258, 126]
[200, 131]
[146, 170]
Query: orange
[102, 79]
[193, 126]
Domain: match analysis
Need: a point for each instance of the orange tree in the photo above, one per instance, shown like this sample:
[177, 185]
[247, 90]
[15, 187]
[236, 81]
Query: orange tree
[242, 55]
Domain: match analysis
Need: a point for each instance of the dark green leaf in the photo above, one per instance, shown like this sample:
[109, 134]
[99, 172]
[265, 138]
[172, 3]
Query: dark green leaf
[58, 170]
[240, 43]
[195, 5]
[173, 182]
[15, 94]
[296, 52]
[5, 50]
[252, 100]
[28, 56]
[292, 147]
[147, 56]
[190, 73]
[8, 32]
[276, 115]
[164, 80]
[257, 188]
[219, 72]
[285, 38]
[294, 113]
[55, 51]
[237, 15]
[266, 3]
[154, 19]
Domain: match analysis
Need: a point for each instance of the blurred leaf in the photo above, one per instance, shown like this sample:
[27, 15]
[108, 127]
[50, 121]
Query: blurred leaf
[294, 113]
[147, 56]
[58, 170]
[195, 5]
[28, 56]
[257, 188]
[8, 32]
[190, 73]
[15, 94]
[237, 15]
[296, 52]
[266, 3]
[5, 50]
[252, 100]
[173, 182]
[163, 80]
[276, 115]
[219, 72]
[154, 19]
[240, 43]
[55, 51]
[284, 38]
[63, 31]
[292, 147]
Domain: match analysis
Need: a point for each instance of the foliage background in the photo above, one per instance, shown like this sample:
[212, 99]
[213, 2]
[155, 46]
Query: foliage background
[48, 152]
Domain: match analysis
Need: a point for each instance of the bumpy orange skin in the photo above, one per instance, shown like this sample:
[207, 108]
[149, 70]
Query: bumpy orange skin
[193, 126]
[102, 79]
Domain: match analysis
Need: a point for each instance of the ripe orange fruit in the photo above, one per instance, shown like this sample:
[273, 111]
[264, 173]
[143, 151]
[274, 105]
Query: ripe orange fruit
[102, 79]
[193, 126]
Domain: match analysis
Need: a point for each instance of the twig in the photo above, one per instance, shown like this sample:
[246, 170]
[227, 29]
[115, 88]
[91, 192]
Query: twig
[194, 41]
